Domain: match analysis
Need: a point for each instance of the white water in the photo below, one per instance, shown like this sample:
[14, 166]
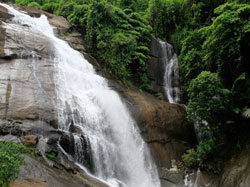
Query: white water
[188, 182]
[171, 76]
[119, 154]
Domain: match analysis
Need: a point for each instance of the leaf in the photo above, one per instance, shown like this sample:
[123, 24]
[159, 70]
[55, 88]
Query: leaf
[236, 110]
[241, 77]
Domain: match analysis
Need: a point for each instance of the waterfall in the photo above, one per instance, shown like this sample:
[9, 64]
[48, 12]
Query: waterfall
[171, 76]
[83, 99]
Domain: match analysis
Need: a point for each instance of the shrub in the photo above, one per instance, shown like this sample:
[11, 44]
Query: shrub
[208, 102]
[190, 159]
[10, 161]
[34, 5]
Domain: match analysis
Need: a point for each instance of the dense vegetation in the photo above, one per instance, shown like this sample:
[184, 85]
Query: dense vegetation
[10, 161]
[212, 39]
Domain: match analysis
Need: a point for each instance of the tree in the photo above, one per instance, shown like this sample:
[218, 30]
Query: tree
[208, 101]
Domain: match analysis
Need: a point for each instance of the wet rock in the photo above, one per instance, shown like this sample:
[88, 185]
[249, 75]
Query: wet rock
[26, 60]
[76, 41]
[74, 128]
[67, 143]
[237, 170]
[42, 146]
[32, 11]
[53, 139]
[201, 179]
[66, 161]
[10, 138]
[37, 171]
[26, 127]
[29, 140]
[4, 15]
[60, 23]
[29, 182]
[156, 69]
[172, 177]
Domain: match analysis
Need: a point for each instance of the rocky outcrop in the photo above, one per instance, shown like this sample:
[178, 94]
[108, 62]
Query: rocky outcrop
[156, 69]
[40, 174]
[27, 85]
[4, 15]
[237, 170]
[163, 126]
[25, 61]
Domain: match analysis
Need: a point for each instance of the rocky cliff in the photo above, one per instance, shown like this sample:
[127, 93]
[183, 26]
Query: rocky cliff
[26, 109]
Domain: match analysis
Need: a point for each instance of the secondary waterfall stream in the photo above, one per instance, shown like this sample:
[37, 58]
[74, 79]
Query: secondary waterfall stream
[171, 77]
[83, 99]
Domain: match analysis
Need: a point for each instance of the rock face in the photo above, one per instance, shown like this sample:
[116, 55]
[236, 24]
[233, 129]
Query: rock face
[28, 103]
[237, 170]
[25, 59]
[163, 126]
[40, 174]
[156, 69]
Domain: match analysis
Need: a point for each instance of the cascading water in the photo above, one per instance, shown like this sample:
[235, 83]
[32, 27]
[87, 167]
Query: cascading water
[171, 76]
[120, 156]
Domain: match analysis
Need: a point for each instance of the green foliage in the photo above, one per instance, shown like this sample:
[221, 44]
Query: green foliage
[10, 161]
[115, 31]
[202, 12]
[240, 77]
[51, 156]
[120, 40]
[23, 2]
[166, 15]
[78, 15]
[220, 47]
[190, 159]
[207, 97]
[191, 55]
[178, 39]
[32, 150]
[159, 96]
[34, 5]
[226, 46]
[208, 101]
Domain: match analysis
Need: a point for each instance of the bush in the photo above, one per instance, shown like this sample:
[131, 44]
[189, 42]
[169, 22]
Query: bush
[119, 37]
[166, 15]
[208, 102]
[34, 5]
[226, 46]
[208, 98]
[10, 162]
[190, 58]
[190, 159]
